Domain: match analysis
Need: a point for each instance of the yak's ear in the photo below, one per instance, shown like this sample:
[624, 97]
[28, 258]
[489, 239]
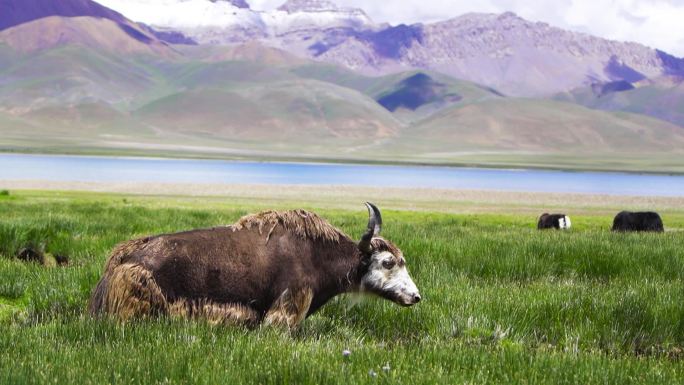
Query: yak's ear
[374, 228]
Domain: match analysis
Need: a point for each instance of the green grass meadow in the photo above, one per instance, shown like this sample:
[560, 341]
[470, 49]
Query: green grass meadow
[503, 303]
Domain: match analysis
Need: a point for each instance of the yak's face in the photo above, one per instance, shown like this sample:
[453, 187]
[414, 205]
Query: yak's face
[387, 275]
[564, 223]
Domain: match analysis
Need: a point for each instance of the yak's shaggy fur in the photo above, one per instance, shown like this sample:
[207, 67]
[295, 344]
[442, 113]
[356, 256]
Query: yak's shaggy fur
[291, 308]
[132, 293]
[272, 267]
[381, 244]
[299, 222]
[214, 313]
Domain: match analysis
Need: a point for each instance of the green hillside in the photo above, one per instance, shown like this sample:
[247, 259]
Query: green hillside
[663, 100]
[543, 133]
[544, 125]
[442, 91]
[295, 111]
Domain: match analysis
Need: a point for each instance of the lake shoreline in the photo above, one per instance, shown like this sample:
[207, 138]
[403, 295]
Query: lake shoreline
[351, 197]
[336, 161]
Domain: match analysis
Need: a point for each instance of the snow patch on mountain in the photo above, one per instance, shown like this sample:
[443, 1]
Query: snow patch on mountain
[282, 22]
[292, 6]
[218, 22]
[185, 13]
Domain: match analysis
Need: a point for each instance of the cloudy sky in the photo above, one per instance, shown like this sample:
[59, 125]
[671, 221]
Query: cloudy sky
[656, 23]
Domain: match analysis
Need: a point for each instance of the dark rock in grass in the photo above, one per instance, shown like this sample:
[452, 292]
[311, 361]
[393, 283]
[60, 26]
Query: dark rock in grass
[62, 260]
[29, 254]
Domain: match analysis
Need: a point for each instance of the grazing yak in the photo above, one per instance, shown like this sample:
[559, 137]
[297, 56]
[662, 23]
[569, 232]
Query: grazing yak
[554, 221]
[644, 221]
[272, 268]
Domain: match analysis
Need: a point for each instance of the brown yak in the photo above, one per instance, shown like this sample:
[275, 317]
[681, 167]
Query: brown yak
[272, 267]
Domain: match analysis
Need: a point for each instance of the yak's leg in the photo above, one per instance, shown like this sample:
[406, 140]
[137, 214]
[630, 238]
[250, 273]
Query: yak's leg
[132, 292]
[290, 309]
[215, 313]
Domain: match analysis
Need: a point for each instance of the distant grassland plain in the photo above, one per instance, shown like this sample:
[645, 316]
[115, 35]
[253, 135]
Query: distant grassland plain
[504, 303]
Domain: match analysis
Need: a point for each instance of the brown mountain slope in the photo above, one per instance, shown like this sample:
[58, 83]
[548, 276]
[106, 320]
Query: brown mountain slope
[90, 32]
[16, 12]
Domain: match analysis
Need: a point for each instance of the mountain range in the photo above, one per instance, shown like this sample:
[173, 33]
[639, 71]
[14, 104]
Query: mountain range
[506, 52]
[311, 80]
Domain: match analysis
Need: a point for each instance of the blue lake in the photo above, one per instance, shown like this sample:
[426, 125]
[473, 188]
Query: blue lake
[106, 169]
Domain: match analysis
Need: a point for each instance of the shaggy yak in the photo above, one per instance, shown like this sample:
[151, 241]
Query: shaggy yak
[554, 221]
[648, 221]
[272, 268]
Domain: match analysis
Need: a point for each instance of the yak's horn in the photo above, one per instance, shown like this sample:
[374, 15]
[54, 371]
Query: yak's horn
[374, 227]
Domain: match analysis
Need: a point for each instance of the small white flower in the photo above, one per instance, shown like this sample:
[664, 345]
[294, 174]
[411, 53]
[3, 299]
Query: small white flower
[372, 373]
[346, 353]
[386, 368]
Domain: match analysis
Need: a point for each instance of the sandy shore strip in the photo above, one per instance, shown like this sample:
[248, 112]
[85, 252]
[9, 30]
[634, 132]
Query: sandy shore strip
[350, 196]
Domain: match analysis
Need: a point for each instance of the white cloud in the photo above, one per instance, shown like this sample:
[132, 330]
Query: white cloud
[656, 23]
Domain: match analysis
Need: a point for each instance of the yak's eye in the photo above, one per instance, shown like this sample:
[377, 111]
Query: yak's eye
[389, 264]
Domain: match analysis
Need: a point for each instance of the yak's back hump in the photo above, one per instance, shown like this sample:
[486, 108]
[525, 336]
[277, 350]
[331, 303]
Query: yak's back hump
[301, 223]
